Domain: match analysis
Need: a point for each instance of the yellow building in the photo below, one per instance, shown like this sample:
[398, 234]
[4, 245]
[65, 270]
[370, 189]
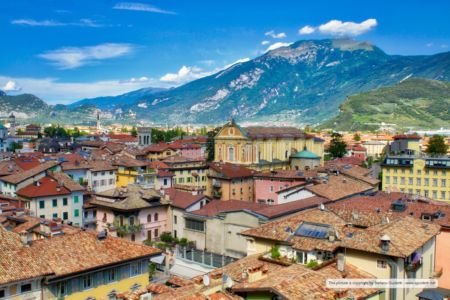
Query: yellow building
[81, 265]
[230, 182]
[423, 176]
[262, 148]
[188, 172]
[132, 171]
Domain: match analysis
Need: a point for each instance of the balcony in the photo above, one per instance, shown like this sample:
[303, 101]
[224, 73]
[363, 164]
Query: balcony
[216, 183]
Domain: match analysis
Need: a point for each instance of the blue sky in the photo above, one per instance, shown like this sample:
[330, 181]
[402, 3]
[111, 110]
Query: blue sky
[67, 50]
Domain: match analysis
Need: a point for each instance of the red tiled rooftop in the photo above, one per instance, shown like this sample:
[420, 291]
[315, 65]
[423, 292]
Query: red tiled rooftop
[229, 170]
[182, 199]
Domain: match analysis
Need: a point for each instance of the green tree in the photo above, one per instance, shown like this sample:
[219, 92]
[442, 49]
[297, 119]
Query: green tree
[356, 137]
[337, 145]
[124, 130]
[134, 131]
[437, 146]
[210, 143]
[275, 252]
[14, 146]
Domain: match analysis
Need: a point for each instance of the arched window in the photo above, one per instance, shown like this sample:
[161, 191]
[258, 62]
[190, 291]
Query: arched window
[231, 153]
[131, 220]
[149, 218]
[156, 217]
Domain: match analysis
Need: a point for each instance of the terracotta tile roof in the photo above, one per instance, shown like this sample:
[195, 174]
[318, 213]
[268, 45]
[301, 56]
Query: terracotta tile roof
[339, 187]
[164, 173]
[229, 171]
[299, 282]
[27, 162]
[124, 138]
[18, 262]
[101, 165]
[87, 252]
[126, 161]
[371, 210]
[113, 147]
[216, 207]
[93, 144]
[174, 159]
[160, 147]
[360, 173]
[407, 136]
[133, 197]
[275, 132]
[406, 233]
[46, 186]
[8, 167]
[275, 211]
[157, 164]
[17, 178]
[182, 199]
[286, 174]
[66, 181]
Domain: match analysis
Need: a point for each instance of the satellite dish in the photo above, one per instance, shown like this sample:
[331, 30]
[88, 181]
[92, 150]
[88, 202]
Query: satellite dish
[206, 280]
[229, 282]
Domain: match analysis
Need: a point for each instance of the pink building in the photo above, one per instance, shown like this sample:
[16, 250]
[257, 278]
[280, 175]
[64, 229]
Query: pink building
[357, 151]
[187, 149]
[267, 184]
[133, 213]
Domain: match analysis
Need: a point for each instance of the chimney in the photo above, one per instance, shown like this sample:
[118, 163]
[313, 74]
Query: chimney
[340, 262]
[385, 241]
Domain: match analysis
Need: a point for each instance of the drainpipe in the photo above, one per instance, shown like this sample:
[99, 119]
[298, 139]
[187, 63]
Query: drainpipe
[393, 266]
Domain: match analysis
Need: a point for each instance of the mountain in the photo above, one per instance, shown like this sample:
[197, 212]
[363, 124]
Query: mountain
[30, 108]
[410, 103]
[23, 106]
[301, 83]
[111, 102]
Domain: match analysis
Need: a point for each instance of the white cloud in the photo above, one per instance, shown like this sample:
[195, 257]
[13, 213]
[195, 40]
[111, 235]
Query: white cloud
[54, 91]
[52, 23]
[141, 7]
[265, 43]
[31, 22]
[11, 86]
[277, 45]
[306, 30]
[207, 62]
[185, 74]
[444, 46]
[74, 57]
[339, 28]
[429, 45]
[274, 35]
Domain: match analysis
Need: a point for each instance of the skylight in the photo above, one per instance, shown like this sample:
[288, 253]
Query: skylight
[314, 230]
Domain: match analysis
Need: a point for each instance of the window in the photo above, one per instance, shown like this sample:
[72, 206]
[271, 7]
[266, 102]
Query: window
[156, 217]
[435, 195]
[2, 293]
[149, 235]
[402, 180]
[65, 215]
[149, 218]
[55, 202]
[419, 172]
[76, 212]
[175, 234]
[25, 288]
[42, 216]
[381, 264]
[427, 182]
[231, 153]
[62, 289]
[302, 257]
[55, 215]
[271, 188]
[155, 232]
[112, 276]
[94, 173]
[103, 173]
[418, 181]
[443, 195]
[87, 282]
[435, 182]
[41, 204]
[64, 201]
[174, 219]
[395, 179]
[86, 214]
[134, 269]
[388, 180]
[111, 181]
[75, 199]
[165, 181]
[410, 181]
[103, 182]
[195, 225]
[121, 220]
[133, 237]
[443, 182]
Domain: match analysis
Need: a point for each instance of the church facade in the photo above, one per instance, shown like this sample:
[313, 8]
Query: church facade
[263, 148]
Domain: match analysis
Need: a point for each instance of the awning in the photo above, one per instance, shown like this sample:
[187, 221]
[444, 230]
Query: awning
[158, 259]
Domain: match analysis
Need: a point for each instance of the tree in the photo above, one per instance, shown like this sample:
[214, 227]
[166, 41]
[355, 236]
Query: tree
[437, 146]
[124, 130]
[134, 131]
[338, 147]
[356, 137]
[210, 143]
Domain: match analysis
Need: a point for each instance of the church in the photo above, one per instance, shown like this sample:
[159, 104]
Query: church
[264, 148]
